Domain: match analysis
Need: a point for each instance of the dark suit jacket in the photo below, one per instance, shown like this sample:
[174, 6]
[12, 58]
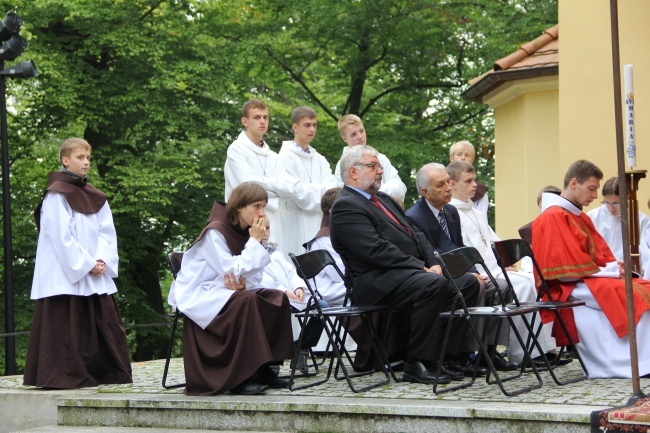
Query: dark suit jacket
[423, 218]
[377, 252]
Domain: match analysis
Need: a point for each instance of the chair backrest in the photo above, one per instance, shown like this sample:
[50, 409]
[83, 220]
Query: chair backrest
[174, 261]
[457, 262]
[311, 263]
[510, 251]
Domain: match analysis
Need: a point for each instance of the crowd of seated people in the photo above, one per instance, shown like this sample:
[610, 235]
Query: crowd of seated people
[237, 290]
[388, 255]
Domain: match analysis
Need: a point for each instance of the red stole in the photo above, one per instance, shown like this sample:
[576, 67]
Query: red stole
[569, 246]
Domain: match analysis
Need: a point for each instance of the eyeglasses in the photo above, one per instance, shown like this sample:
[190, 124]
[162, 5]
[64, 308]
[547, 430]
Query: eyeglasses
[371, 165]
[614, 205]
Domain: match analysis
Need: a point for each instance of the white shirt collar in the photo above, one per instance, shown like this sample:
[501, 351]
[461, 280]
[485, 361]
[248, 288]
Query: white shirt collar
[550, 199]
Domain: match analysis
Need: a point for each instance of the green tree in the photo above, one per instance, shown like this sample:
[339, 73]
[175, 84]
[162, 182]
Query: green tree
[137, 80]
[156, 87]
[399, 64]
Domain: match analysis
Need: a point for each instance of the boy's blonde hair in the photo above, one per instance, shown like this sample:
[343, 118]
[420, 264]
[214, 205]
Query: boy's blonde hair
[347, 120]
[461, 145]
[252, 103]
[70, 145]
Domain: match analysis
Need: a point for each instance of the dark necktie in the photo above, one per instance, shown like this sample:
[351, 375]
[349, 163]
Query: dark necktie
[443, 223]
[387, 212]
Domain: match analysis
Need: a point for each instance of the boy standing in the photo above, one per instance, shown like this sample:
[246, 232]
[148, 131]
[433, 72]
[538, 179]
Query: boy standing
[464, 151]
[311, 170]
[249, 159]
[353, 133]
[77, 338]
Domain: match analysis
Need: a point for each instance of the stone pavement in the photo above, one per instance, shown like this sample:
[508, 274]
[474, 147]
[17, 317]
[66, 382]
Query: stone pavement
[596, 392]
[574, 401]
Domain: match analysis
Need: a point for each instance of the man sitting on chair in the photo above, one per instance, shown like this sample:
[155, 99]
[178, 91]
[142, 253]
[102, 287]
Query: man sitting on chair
[429, 214]
[576, 261]
[392, 263]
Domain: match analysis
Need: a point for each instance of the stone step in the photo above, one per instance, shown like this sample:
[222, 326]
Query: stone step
[69, 429]
[313, 414]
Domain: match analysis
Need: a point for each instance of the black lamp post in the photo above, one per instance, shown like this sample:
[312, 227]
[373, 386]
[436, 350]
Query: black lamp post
[12, 46]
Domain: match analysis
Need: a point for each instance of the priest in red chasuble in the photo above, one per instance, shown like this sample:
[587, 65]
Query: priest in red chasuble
[577, 263]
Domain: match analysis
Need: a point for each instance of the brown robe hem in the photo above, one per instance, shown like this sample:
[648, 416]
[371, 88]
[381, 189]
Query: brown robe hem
[76, 342]
[252, 329]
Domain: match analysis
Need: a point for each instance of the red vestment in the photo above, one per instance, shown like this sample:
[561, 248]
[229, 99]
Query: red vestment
[568, 246]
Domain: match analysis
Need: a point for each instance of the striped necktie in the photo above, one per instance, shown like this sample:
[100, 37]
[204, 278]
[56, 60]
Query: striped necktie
[443, 223]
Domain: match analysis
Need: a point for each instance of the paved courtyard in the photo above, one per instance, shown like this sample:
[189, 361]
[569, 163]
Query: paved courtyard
[597, 392]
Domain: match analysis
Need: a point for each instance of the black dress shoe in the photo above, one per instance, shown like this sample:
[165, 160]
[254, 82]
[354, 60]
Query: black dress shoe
[418, 373]
[539, 363]
[453, 374]
[267, 376]
[552, 359]
[502, 364]
[466, 367]
[249, 387]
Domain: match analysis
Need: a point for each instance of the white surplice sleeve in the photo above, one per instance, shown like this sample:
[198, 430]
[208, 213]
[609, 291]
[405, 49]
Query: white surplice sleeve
[391, 183]
[107, 243]
[58, 227]
[308, 197]
[238, 169]
[248, 264]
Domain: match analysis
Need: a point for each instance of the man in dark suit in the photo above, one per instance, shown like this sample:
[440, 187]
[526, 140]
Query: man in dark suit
[440, 223]
[392, 263]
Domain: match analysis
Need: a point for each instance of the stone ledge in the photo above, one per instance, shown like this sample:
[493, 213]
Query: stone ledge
[374, 406]
[303, 414]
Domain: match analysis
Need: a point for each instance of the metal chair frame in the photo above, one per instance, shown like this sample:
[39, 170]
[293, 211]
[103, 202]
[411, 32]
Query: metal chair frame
[174, 261]
[508, 253]
[455, 264]
[308, 265]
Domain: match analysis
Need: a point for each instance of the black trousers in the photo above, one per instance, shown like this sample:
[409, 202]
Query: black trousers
[422, 296]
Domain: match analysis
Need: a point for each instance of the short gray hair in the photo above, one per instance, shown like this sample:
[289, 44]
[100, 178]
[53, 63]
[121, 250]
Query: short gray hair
[422, 178]
[354, 156]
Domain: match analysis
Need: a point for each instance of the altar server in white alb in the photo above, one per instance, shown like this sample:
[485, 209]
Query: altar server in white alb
[476, 233]
[77, 338]
[329, 283]
[354, 134]
[607, 219]
[464, 151]
[249, 159]
[302, 214]
[281, 274]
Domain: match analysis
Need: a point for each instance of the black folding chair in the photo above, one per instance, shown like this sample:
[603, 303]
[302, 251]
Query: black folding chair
[308, 265]
[508, 253]
[454, 265]
[174, 262]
